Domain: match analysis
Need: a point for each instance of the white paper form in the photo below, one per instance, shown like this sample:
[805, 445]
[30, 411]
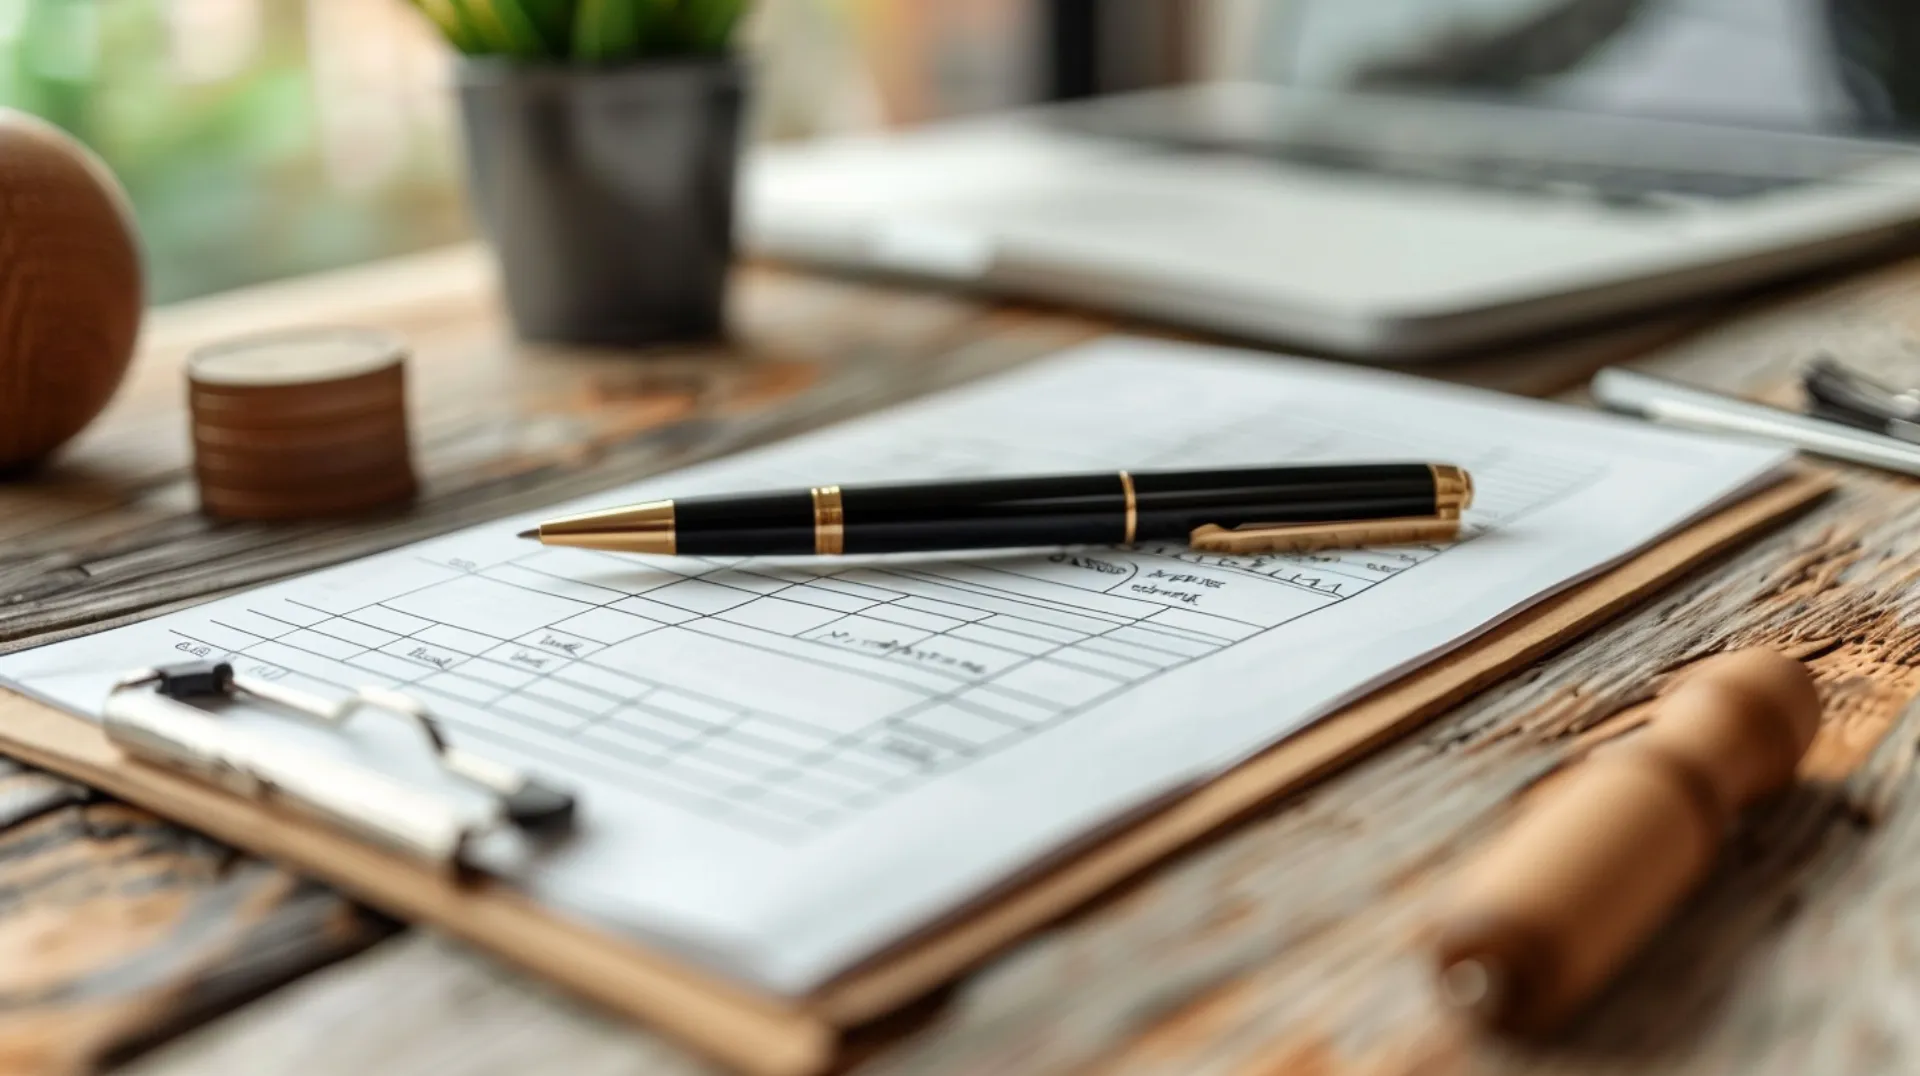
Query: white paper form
[787, 764]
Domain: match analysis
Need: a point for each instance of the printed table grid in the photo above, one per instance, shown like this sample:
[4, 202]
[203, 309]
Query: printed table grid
[971, 656]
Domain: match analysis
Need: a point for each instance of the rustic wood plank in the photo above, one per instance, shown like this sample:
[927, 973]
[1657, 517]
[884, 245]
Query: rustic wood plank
[364, 1016]
[117, 928]
[109, 531]
[1241, 936]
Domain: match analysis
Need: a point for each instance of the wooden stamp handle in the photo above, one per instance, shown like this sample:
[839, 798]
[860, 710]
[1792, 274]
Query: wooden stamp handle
[1567, 894]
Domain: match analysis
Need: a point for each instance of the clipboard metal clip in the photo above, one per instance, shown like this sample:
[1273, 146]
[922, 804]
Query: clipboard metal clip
[152, 716]
[1453, 495]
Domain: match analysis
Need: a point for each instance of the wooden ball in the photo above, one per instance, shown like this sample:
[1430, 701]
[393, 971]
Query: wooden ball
[70, 288]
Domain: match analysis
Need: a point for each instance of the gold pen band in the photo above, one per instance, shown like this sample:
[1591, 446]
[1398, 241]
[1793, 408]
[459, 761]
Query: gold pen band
[1133, 508]
[1452, 490]
[829, 522]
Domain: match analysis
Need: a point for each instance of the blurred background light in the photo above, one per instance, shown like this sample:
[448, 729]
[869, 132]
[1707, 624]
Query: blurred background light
[266, 138]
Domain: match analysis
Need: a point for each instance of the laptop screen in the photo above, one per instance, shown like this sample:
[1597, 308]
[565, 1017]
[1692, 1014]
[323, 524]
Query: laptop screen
[1805, 64]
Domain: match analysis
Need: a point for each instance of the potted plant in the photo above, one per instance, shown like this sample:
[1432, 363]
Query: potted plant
[602, 142]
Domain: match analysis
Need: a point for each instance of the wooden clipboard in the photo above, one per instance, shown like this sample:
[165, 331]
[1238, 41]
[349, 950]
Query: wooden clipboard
[772, 1036]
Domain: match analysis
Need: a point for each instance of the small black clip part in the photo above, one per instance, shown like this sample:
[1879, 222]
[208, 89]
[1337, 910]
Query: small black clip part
[1849, 395]
[536, 805]
[195, 679]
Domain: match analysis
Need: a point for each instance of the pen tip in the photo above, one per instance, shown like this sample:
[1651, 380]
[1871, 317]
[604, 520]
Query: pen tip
[533, 534]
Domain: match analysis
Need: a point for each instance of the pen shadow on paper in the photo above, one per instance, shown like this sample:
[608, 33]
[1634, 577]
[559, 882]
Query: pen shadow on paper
[642, 576]
[1792, 917]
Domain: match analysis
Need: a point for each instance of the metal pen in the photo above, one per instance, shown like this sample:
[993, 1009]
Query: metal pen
[1674, 404]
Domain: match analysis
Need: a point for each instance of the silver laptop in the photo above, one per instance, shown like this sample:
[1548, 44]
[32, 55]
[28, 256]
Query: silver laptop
[1386, 225]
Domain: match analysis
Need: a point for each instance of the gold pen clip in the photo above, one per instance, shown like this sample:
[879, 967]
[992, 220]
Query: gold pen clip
[1307, 537]
[1453, 494]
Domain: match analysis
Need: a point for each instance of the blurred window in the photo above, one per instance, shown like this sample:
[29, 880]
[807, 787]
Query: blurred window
[257, 138]
[265, 138]
[1827, 64]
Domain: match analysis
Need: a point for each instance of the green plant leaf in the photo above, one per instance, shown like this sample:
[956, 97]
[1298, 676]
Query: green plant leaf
[446, 15]
[707, 25]
[587, 31]
[505, 27]
[607, 31]
[553, 19]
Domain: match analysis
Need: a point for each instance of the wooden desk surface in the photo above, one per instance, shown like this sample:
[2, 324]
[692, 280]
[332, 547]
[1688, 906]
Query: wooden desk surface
[1284, 946]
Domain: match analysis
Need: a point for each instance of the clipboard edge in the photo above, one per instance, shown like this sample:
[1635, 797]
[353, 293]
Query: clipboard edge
[756, 1032]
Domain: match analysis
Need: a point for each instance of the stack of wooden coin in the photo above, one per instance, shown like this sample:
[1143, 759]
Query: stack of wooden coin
[301, 424]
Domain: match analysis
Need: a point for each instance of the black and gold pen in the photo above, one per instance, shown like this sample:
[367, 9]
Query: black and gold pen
[1244, 510]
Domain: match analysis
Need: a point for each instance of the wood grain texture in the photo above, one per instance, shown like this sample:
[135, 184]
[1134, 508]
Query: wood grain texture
[116, 927]
[70, 287]
[1285, 946]
[363, 1016]
[110, 532]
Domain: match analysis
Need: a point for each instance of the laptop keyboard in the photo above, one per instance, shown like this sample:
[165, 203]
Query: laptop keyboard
[1612, 184]
[1507, 169]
